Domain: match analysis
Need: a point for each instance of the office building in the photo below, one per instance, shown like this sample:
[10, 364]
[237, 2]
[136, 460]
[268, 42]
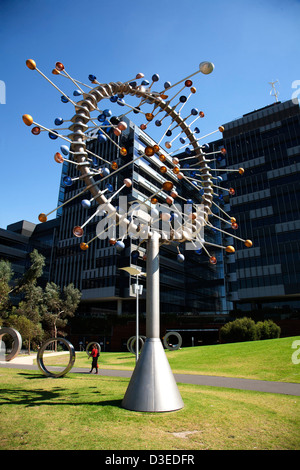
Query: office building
[266, 205]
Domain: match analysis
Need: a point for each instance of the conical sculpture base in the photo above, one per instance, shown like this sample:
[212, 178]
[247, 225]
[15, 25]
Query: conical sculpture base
[152, 386]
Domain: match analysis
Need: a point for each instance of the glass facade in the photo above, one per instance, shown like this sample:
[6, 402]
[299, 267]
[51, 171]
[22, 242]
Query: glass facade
[266, 143]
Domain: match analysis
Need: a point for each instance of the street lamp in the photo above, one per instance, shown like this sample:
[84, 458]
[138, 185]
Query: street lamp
[138, 290]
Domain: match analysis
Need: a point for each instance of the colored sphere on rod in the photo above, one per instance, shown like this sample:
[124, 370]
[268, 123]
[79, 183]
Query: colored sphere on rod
[31, 64]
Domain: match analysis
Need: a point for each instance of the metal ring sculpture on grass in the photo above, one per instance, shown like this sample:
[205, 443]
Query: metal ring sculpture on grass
[167, 336]
[40, 359]
[17, 341]
[131, 342]
[87, 348]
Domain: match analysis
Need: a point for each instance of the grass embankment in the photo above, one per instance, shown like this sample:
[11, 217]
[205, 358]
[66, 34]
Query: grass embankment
[82, 411]
[261, 360]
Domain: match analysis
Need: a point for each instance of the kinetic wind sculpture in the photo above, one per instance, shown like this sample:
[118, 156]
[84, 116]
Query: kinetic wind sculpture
[152, 386]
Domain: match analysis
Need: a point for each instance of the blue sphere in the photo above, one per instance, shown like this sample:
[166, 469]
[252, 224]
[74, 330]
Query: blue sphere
[194, 111]
[167, 84]
[168, 133]
[67, 181]
[120, 245]
[63, 99]
[92, 78]
[182, 140]
[77, 93]
[158, 123]
[113, 99]
[64, 149]
[155, 77]
[145, 83]
[180, 258]
[121, 102]
[101, 138]
[109, 187]
[197, 130]
[53, 135]
[101, 117]
[86, 203]
[189, 201]
[182, 99]
[107, 112]
[105, 171]
[58, 121]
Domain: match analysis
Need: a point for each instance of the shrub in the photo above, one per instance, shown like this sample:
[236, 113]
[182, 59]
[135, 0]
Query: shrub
[241, 329]
[267, 330]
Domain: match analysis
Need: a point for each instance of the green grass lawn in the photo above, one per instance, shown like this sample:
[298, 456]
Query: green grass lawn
[262, 360]
[82, 411]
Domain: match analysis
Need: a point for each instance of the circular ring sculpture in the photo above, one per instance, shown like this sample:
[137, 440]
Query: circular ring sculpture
[167, 336]
[131, 342]
[17, 341]
[87, 348]
[40, 358]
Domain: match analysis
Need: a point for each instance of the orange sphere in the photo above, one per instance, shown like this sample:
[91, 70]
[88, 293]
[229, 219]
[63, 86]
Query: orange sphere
[27, 119]
[232, 219]
[59, 66]
[149, 151]
[162, 158]
[42, 217]
[213, 260]
[248, 243]
[234, 225]
[241, 171]
[180, 176]
[176, 170]
[230, 249]
[112, 241]
[154, 200]
[221, 129]
[193, 89]
[114, 166]
[167, 186]
[58, 157]
[156, 148]
[169, 200]
[163, 169]
[201, 114]
[78, 231]
[123, 151]
[149, 116]
[31, 64]
[175, 160]
[231, 191]
[55, 72]
[84, 246]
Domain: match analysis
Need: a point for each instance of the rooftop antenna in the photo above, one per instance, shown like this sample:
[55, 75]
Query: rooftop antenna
[274, 92]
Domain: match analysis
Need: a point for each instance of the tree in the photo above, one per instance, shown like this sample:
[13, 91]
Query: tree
[6, 275]
[28, 329]
[60, 306]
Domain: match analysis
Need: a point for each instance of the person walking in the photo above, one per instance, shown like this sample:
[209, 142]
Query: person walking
[95, 355]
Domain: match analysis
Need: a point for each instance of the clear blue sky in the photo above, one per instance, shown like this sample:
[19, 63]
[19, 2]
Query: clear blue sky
[250, 42]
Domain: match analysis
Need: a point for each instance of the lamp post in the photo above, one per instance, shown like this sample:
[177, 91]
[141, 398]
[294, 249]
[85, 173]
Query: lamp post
[137, 273]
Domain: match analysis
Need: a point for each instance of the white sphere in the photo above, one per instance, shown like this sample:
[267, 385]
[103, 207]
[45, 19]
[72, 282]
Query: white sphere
[206, 67]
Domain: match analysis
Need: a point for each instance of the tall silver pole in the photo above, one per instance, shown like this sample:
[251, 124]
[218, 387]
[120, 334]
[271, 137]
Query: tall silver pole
[137, 320]
[152, 386]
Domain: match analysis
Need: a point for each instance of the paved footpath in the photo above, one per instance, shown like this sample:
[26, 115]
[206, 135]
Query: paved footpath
[209, 380]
